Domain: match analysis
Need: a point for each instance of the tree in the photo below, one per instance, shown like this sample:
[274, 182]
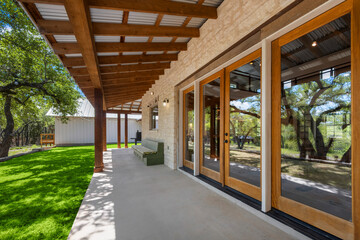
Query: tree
[32, 77]
[244, 121]
[305, 108]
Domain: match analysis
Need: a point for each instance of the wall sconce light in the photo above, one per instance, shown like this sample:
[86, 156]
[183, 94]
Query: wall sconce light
[152, 93]
[166, 101]
[314, 44]
[148, 106]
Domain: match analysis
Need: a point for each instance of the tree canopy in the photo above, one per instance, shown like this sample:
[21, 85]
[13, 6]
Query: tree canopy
[32, 77]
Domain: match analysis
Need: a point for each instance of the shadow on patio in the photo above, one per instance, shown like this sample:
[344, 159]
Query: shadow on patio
[131, 201]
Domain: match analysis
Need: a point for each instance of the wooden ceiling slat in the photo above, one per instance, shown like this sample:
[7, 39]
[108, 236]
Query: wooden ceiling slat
[154, 6]
[79, 15]
[116, 29]
[129, 68]
[119, 69]
[79, 61]
[69, 48]
[124, 84]
[132, 74]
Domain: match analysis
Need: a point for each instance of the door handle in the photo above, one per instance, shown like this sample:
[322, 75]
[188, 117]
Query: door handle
[226, 134]
[226, 141]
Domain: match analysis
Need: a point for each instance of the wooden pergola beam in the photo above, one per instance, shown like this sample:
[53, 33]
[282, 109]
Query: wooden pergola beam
[118, 130]
[119, 69]
[128, 81]
[79, 15]
[131, 68]
[70, 48]
[115, 76]
[154, 6]
[51, 27]
[79, 61]
[123, 112]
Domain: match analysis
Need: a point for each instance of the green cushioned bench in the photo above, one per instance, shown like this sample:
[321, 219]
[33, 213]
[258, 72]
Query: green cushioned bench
[150, 151]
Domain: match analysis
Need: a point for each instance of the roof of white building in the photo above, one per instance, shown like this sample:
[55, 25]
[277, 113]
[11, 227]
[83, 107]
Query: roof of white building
[85, 109]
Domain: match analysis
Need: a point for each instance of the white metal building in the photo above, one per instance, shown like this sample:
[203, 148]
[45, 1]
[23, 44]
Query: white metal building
[79, 130]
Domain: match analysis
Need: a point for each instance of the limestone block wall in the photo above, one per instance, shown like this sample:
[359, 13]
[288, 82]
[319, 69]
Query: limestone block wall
[236, 19]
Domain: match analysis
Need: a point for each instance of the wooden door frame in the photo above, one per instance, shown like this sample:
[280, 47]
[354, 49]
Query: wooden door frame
[325, 221]
[186, 163]
[217, 176]
[241, 186]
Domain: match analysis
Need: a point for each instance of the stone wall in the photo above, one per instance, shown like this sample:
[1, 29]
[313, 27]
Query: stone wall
[236, 19]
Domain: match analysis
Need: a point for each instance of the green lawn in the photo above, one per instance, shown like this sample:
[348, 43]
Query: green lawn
[122, 145]
[41, 192]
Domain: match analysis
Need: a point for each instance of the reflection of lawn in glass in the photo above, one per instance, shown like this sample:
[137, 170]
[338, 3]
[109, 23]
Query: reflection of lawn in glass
[249, 156]
[329, 174]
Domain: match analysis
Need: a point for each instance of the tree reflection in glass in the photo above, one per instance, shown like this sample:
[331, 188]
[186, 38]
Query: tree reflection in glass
[315, 119]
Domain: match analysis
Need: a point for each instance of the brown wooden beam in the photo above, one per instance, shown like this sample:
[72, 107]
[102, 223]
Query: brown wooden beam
[131, 68]
[126, 131]
[129, 81]
[98, 107]
[125, 85]
[115, 76]
[104, 131]
[123, 112]
[79, 61]
[79, 15]
[154, 6]
[118, 130]
[115, 29]
[69, 48]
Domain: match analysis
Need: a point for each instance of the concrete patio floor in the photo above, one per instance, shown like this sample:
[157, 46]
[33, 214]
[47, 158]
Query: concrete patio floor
[132, 201]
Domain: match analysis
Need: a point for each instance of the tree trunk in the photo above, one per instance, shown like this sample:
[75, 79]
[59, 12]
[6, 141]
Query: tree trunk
[6, 143]
[347, 156]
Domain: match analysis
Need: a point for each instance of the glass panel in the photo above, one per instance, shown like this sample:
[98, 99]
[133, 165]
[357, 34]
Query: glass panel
[315, 117]
[189, 126]
[154, 117]
[245, 123]
[211, 125]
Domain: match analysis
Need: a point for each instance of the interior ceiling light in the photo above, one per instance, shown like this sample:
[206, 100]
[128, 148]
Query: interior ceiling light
[251, 63]
[314, 44]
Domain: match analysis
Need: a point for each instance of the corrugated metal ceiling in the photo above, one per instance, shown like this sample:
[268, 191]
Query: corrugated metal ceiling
[106, 15]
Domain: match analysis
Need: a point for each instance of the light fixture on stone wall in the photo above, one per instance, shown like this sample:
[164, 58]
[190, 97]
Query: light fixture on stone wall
[166, 101]
[152, 93]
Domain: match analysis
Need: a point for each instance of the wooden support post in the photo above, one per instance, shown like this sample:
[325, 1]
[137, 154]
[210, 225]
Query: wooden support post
[355, 114]
[126, 131]
[104, 131]
[98, 97]
[118, 130]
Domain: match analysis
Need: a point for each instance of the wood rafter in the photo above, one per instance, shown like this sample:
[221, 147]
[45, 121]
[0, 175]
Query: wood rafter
[113, 76]
[118, 29]
[124, 76]
[79, 61]
[154, 6]
[70, 48]
[79, 15]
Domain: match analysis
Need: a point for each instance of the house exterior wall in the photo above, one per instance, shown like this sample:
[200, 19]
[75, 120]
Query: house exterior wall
[236, 19]
[81, 130]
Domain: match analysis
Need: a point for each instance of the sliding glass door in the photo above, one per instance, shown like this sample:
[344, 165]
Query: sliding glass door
[312, 122]
[211, 126]
[243, 125]
[188, 127]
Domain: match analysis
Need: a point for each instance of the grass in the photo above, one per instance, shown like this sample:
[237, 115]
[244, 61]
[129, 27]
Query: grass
[41, 192]
[122, 145]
